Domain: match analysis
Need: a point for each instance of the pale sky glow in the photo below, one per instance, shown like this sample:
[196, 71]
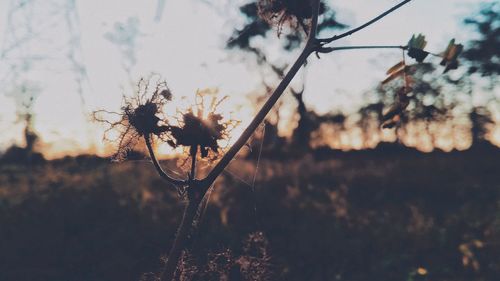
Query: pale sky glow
[187, 48]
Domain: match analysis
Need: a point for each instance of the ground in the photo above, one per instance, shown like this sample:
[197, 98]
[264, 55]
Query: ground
[384, 214]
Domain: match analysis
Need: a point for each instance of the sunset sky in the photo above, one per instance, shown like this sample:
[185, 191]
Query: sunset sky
[185, 44]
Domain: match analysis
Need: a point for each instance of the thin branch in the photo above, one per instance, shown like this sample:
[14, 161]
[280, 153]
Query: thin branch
[170, 267]
[161, 172]
[314, 22]
[331, 49]
[354, 30]
[192, 175]
[308, 49]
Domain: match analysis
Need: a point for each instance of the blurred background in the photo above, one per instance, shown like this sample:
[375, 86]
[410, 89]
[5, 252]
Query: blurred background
[329, 194]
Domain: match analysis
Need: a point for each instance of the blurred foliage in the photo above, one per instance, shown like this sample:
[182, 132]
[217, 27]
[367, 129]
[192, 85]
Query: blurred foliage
[261, 16]
[484, 52]
[439, 101]
[427, 98]
[391, 213]
[258, 25]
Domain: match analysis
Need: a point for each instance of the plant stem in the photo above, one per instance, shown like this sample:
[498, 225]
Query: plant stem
[254, 124]
[161, 172]
[180, 240]
[331, 49]
[226, 159]
[194, 151]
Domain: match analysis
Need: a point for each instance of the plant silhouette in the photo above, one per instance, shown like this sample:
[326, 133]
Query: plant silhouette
[141, 116]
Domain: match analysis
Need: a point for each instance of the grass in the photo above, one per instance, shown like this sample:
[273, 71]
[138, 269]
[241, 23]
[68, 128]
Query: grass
[370, 215]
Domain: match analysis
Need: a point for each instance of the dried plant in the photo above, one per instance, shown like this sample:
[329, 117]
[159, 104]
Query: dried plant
[202, 126]
[139, 116]
[254, 263]
[199, 129]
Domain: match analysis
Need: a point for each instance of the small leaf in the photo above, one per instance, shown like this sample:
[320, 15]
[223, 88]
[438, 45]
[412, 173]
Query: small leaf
[395, 67]
[416, 47]
[393, 76]
[418, 54]
[450, 55]
[417, 42]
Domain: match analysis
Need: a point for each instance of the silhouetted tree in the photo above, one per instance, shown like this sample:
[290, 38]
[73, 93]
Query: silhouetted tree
[25, 96]
[483, 54]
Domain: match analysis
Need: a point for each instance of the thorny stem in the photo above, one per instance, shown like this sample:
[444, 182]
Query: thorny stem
[198, 188]
[161, 172]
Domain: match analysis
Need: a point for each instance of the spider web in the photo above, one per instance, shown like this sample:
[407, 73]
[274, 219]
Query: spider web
[204, 204]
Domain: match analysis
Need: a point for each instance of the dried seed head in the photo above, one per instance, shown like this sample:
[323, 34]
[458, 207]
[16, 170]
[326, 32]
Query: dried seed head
[202, 127]
[139, 116]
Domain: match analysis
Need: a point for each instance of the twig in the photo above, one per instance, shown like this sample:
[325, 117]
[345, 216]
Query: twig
[354, 30]
[331, 49]
[180, 240]
[161, 172]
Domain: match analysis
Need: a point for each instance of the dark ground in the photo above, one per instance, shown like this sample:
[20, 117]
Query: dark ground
[387, 214]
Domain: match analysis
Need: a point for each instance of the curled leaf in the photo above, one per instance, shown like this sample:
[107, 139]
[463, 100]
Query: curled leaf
[397, 66]
[393, 75]
[416, 47]
[450, 55]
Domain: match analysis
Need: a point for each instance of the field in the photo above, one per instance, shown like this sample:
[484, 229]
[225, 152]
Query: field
[385, 214]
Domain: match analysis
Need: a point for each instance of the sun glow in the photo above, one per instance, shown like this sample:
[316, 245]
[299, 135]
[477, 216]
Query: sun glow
[166, 45]
[234, 113]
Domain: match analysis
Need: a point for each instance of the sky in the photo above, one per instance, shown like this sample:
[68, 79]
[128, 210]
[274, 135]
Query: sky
[184, 43]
